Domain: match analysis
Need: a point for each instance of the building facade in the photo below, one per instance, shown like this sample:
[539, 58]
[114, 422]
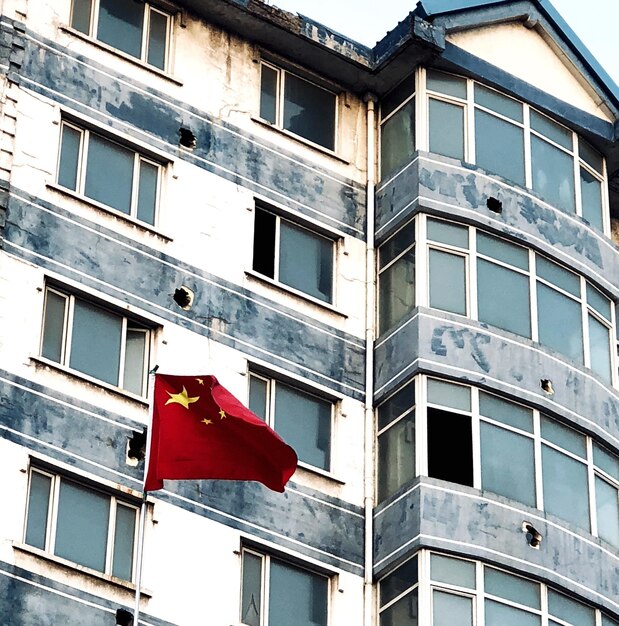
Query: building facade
[403, 258]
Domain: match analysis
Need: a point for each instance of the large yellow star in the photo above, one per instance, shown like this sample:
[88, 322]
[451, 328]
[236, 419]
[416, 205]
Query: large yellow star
[181, 398]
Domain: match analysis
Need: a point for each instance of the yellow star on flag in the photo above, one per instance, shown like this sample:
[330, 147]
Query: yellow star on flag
[206, 421]
[222, 414]
[200, 381]
[181, 398]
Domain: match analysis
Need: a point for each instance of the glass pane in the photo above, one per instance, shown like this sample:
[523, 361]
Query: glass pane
[122, 565]
[502, 250]
[514, 479]
[396, 96]
[109, 173]
[598, 302]
[309, 111]
[264, 243]
[560, 323]
[557, 275]
[599, 348]
[451, 610]
[306, 261]
[499, 147]
[591, 189]
[497, 102]
[498, 614]
[590, 155]
[446, 83]
[447, 282]
[82, 525]
[252, 589]
[120, 25]
[397, 140]
[514, 588]
[53, 326]
[296, 597]
[38, 504]
[506, 412]
[305, 423]
[135, 351]
[448, 394]
[607, 506]
[565, 437]
[147, 192]
[606, 461]
[553, 174]
[454, 571]
[565, 487]
[446, 128]
[396, 295]
[398, 581]
[571, 611]
[394, 246]
[405, 612]
[69, 157]
[396, 457]
[445, 232]
[268, 94]
[398, 404]
[503, 298]
[550, 129]
[80, 15]
[95, 343]
[258, 396]
[606, 621]
[157, 37]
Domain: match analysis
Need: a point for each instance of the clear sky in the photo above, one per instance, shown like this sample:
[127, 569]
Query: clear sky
[596, 22]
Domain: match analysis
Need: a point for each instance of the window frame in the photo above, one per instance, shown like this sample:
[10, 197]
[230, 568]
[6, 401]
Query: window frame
[272, 382]
[266, 557]
[139, 157]
[149, 8]
[128, 323]
[330, 239]
[280, 99]
[51, 522]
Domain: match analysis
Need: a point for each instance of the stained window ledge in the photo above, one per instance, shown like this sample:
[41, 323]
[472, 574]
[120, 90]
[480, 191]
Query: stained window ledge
[109, 211]
[300, 139]
[120, 54]
[253, 275]
[312, 470]
[42, 361]
[76, 568]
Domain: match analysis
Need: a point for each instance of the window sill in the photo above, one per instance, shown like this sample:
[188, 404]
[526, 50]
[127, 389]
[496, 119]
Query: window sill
[120, 54]
[307, 142]
[110, 211]
[251, 274]
[42, 361]
[312, 470]
[77, 568]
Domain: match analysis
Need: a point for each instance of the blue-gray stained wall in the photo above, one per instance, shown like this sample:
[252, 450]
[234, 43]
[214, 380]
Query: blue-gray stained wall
[93, 440]
[448, 188]
[66, 244]
[463, 521]
[437, 342]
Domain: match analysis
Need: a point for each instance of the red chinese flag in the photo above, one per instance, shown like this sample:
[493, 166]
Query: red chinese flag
[200, 430]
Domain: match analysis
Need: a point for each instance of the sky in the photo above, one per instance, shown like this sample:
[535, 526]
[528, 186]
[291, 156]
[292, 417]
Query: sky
[594, 21]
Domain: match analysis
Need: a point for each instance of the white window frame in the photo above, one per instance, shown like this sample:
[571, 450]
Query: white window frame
[148, 8]
[82, 160]
[52, 517]
[128, 324]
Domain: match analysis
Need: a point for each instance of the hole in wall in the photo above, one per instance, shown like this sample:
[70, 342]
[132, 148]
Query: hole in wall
[533, 536]
[188, 139]
[546, 385]
[183, 296]
[124, 617]
[494, 204]
[136, 448]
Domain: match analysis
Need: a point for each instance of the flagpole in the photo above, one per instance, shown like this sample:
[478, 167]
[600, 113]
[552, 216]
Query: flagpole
[142, 524]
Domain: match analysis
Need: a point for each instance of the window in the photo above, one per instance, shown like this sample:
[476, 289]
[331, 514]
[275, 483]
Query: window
[297, 105]
[302, 419]
[136, 28]
[606, 467]
[95, 341]
[81, 524]
[109, 173]
[293, 255]
[277, 593]
[398, 596]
